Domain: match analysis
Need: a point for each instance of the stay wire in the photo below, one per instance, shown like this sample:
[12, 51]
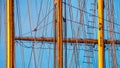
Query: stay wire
[30, 24]
[89, 13]
[89, 25]
[20, 31]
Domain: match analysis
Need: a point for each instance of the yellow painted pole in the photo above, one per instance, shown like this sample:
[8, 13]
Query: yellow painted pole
[100, 34]
[9, 34]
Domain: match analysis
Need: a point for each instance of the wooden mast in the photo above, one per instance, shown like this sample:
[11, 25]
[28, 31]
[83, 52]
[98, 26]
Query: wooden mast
[59, 35]
[10, 34]
[58, 18]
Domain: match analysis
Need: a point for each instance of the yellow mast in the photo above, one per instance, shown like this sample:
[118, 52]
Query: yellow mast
[9, 34]
[100, 34]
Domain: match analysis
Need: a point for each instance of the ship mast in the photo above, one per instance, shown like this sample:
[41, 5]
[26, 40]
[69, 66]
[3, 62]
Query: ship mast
[100, 34]
[58, 8]
[10, 34]
[58, 4]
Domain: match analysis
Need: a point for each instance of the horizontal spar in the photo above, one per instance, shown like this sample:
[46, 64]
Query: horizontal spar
[68, 40]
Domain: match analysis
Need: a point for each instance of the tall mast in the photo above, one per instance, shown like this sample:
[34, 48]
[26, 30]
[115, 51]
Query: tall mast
[100, 34]
[58, 8]
[10, 34]
[59, 35]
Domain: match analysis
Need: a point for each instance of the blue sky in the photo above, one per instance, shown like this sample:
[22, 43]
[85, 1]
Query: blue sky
[39, 9]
